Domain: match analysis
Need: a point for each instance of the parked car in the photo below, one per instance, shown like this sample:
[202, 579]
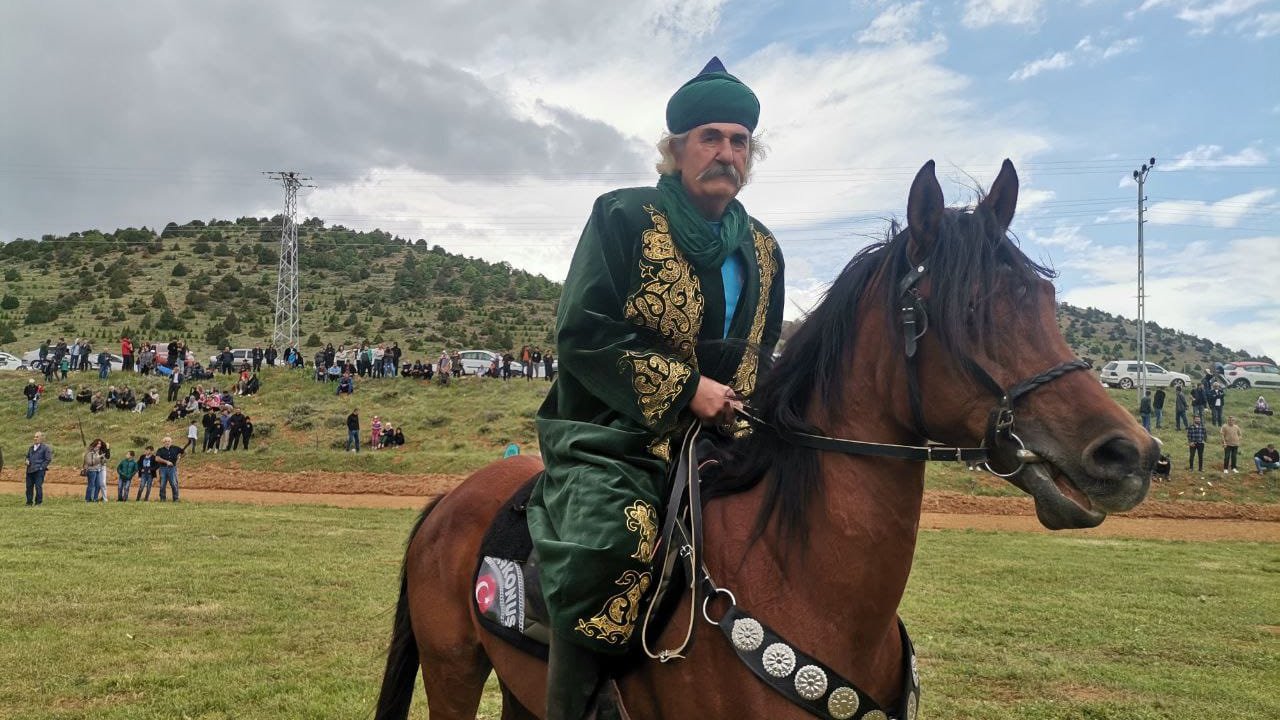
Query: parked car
[9, 361]
[1124, 374]
[240, 358]
[1244, 374]
[476, 362]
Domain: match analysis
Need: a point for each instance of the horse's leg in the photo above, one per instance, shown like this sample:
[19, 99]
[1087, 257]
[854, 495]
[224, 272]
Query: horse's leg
[440, 564]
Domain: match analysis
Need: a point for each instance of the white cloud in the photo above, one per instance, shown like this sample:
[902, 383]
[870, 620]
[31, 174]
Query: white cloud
[895, 23]
[1265, 25]
[1086, 51]
[1212, 156]
[1224, 213]
[1204, 16]
[983, 13]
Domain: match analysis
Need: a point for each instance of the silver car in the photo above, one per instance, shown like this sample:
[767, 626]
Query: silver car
[1124, 374]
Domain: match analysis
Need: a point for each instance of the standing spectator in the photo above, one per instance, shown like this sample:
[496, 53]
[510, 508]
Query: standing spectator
[256, 356]
[75, 353]
[1199, 401]
[193, 433]
[376, 434]
[1157, 404]
[524, 359]
[39, 455]
[1195, 443]
[63, 366]
[209, 420]
[86, 350]
[506, 365]
[1268, 458]
[444, 367]
[172, 359]
[246, 431]
[175, 383]
[1232, 434]
[1144, 409]
[235, 427]
[124, 476]
[388, 364]
[146, 471]
[535, 359]
[1217, 398]
[550, 361]
[1179, 408]
[32, 392]
[270, 355]
[94, 469]
[104, 364]
[167, 458]
[353, 431]
[395, 358]
[126, 354]
[455, 361]
[224, 421]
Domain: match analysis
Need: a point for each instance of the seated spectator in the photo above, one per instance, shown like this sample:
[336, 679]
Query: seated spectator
[212, 401]
[1163, 466]
[98, 403]
[1268, 458]
[253, 384]
[346, 385]
[178, 411]
[126, 401]
[112, 395]
[1261, 407]
[397, 437]
[190, 406]
[67, 395]
[151, 398]
[83, 394]
[227, 400]
[428, 371]
[333, 373]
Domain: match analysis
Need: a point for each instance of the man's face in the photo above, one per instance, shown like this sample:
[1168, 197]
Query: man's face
[711, 157]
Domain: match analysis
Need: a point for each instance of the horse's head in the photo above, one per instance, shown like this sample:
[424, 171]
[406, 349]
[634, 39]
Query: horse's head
[990, 362]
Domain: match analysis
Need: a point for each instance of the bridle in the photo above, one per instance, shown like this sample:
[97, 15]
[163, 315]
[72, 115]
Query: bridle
[1000, 421]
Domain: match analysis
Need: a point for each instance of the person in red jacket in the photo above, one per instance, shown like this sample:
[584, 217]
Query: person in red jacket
[126, 354]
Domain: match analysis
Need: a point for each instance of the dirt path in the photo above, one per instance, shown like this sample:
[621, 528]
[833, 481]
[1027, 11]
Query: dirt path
[1188, 520]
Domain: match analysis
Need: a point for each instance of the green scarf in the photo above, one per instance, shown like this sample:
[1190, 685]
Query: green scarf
[693, 234]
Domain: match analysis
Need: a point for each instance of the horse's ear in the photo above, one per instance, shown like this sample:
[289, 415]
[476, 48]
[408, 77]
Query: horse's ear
[1002, 198]
[924, 213]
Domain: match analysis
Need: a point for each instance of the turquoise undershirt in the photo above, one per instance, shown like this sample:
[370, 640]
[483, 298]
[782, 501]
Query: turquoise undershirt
[731, 275]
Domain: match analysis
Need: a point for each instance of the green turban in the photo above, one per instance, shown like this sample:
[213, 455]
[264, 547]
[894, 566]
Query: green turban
[712, 96]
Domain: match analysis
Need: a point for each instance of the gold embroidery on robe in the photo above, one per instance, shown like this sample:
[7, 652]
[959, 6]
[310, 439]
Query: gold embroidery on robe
[744, 380]
[656, 380]
[617, 619]
[669, 299]
[643, 519]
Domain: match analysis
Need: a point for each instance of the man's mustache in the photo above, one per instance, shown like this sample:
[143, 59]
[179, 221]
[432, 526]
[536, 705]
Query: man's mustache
[719, 169]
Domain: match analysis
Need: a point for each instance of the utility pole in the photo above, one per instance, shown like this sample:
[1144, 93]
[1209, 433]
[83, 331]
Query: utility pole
[287, 318]
[1140, 176]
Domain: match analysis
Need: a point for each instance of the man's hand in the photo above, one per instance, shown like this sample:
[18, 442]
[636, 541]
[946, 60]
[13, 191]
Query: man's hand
[713, 402]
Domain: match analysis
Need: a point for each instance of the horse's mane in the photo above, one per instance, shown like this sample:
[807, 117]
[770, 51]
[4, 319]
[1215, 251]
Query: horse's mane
[972, 257]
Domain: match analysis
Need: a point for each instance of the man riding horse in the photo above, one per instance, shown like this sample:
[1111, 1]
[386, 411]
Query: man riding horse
[670, 311]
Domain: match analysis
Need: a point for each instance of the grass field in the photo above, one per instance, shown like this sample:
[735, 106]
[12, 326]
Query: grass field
[457, 429]
[207, 611]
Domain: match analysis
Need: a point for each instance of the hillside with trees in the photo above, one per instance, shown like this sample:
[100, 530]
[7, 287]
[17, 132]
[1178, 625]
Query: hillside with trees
[213, 284]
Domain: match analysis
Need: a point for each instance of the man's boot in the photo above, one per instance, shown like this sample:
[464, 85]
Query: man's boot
[573, 672]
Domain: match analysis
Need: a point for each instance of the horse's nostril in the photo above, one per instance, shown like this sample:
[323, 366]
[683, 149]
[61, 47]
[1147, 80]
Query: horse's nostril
[1117, 456]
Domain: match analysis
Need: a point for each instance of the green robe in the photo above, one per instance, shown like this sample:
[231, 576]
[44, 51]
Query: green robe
[631, 334]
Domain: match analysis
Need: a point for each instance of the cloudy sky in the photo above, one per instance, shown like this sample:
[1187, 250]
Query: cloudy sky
[488, 127]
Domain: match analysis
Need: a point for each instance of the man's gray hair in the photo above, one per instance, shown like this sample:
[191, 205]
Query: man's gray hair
[670, 142]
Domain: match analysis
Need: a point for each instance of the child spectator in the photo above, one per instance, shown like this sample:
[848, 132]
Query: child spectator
[193, 432]
[124, 476]
[376, 436]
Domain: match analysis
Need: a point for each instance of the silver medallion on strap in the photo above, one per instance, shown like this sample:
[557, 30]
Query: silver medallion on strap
[778, 660]
[843, 703]
[811, 682]
[748, 633]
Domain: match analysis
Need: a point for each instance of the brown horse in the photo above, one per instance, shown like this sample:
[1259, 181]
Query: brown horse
[818, 545]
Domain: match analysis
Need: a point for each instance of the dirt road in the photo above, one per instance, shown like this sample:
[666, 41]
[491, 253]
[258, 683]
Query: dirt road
[1186, 520]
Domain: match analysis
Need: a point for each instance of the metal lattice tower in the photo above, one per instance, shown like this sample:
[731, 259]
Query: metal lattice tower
[287, 317]
[1140, 177]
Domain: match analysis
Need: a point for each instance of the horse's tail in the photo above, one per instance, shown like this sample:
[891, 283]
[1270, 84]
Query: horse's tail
[402, 656]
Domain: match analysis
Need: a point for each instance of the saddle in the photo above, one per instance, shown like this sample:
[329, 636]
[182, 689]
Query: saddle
[508, 589]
